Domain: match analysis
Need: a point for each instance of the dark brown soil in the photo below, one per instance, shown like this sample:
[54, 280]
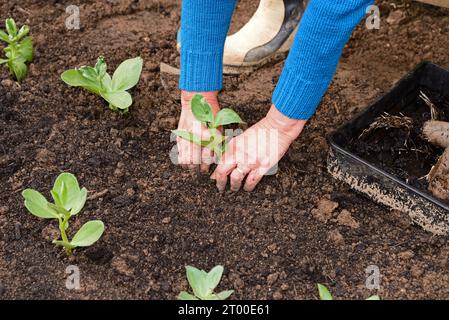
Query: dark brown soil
[403, 152]
[158, 217]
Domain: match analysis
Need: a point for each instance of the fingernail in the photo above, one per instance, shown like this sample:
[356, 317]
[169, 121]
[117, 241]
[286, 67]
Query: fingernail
[236, 187]
[221, 187]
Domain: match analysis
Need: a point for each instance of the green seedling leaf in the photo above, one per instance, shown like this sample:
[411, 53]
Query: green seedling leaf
[79, 202]
[69, 200]
[203, 284]
[19, 49]
[19, 68]
[89, 233]
[67, 189]
[197, 281]
[60, 210]
[74, 78]
[213, 277]
[38, 205]
[101, 67]
[375, 297]
[324, 293]
[186, 296]
[98, 81]
[26, 49]
[226, 116]
[4, 36]
[24, 30]
[225, 294]
[58, 202]
[121, 99]
[66, 183]
[201, 109]
[203, 112]
[127, 74]
[192, 138]
[89, 73]
[8, 52]
[106, 82]
[11, 27]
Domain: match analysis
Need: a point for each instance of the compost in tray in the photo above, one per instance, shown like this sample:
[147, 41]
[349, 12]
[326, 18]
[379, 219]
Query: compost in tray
[400, 148]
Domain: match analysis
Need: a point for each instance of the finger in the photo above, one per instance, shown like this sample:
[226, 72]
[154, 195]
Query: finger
[221, 174]
[184, 154]
[194, 156]
[189, 154]
[237, 176]
[207, 158]
[226, 164]
[181, 153]
[253, 179]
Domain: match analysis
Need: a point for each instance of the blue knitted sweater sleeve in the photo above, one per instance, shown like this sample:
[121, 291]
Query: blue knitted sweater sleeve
[324, 30]
[204, 26]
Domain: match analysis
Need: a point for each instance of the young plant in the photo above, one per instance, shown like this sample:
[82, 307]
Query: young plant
[69, 199]
[112, 89]
[325, 294]
[203, 284]
[202, 111]
[19, 49]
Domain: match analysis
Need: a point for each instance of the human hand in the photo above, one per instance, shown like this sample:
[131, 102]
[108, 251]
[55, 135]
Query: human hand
[253, 153]
[191, 155]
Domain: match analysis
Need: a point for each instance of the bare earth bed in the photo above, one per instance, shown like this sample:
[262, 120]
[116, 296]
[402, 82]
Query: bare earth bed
[276, 242]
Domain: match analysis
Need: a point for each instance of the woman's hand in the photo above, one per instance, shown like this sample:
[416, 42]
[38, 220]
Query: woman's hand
[191, 155]
[253, 153]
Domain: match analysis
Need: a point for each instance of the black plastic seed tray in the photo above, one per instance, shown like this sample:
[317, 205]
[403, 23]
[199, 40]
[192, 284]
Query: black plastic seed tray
[425, 210]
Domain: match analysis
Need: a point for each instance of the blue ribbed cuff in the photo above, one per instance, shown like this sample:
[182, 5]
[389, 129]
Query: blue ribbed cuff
[204, 26]
[325, 28]
[201, 71]
[297, 98]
